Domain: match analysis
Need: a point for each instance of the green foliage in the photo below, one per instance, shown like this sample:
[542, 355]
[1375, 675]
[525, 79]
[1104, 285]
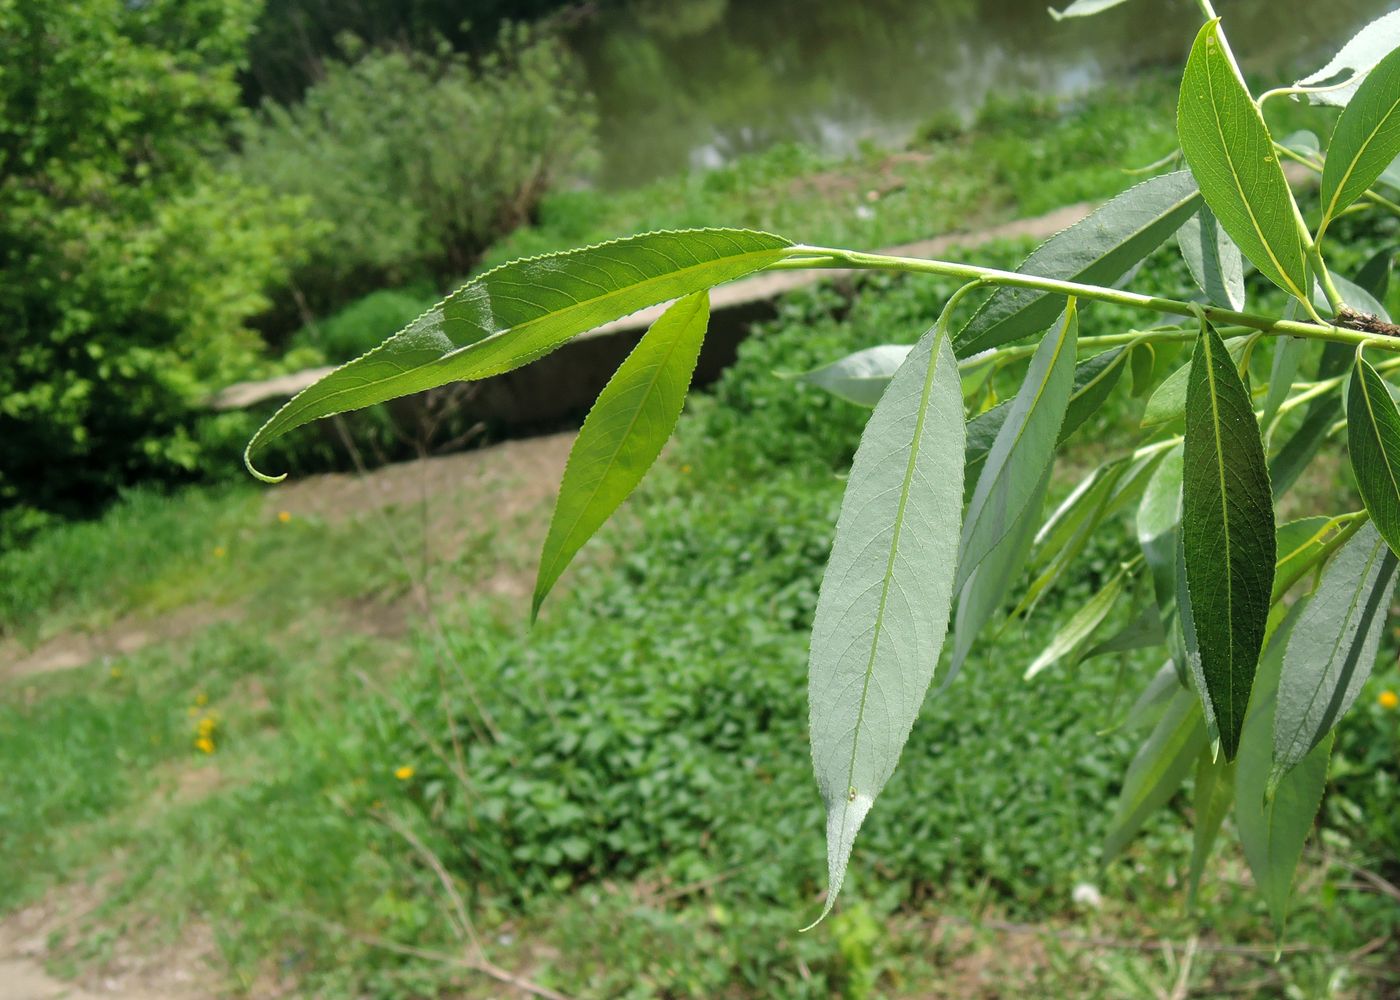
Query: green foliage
[1365, 141]
[1373, 439]
[466, 147]
[351, 331]
[624, 433]
[130, 267]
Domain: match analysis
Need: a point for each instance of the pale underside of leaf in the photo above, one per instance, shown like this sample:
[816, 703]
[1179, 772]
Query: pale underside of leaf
[521, 311]
[861, 377]
[1366, 139]
[1084, 8]
[1331, 652]
[1213, 259]
[623, 433]
[1373, 439]
[1361, 52]
[882, 611]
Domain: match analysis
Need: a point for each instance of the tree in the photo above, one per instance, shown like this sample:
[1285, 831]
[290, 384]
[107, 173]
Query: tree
[1269, 630]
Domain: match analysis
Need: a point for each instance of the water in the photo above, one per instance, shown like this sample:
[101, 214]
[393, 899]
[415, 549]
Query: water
[685, 84]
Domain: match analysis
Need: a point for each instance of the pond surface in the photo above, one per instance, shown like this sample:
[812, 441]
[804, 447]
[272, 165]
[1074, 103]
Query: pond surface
[692, 83]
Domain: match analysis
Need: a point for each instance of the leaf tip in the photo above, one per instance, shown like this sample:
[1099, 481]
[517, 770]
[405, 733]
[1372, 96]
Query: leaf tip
[253, 469]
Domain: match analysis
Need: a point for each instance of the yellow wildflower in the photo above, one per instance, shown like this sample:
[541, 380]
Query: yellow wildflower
[1389, 700]
[206, 725]
[204, 744]
[404, 772]
[220, 551]
[685, 470]
[116, 673]
[201, 699]
[284, 516]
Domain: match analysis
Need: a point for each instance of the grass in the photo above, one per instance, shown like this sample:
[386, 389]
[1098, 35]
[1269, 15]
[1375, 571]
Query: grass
[623, 799]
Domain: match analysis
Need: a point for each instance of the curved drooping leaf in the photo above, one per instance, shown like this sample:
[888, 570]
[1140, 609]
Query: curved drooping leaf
[1212, 798]
[1168, 403]
[1152, 701]
[1099, 249]
[882, 611]
[1231, 154]
[1157, 770]
[1214, 261]
[520, 311]
[985, 591]
[1364, 49]
[1274, 827]
[1227, 535]
[623, 433]
[1023, 448]
[1158, 532]
[861, 377]
[1373, 438]
[1366, 139]
[1074, 635]
[1331, 652]
[1302, 445]
[1083, 8]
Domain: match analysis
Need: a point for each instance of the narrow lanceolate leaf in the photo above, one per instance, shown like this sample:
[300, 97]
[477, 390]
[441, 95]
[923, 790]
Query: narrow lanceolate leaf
[1227, 534]
[1083, 8]
[1071, 639]
[521, 311]
[1211, 800]
[1366, 139]
[1143, 632]
[1274, 827]
[1374, 275]
[1366, 48]
[1023, 448]
[861, 377]
[1373, 438]
[1288, 354]
[624, 433]
[1333, 649]
[1158, 769]
[1097, 250]
[1158, 532]
[985, 591]
[1231, 153]
[1214, 261]
[1298, 543]
[883, 607]
[1303, 443]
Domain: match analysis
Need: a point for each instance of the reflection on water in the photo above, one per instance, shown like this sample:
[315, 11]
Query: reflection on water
[692, 83]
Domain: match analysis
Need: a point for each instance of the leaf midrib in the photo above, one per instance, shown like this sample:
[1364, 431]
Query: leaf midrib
[1224, 516]
[1360, 152]
[934, 358]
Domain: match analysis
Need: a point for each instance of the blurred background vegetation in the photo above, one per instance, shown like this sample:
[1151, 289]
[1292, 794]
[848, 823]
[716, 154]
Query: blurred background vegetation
[201, 193]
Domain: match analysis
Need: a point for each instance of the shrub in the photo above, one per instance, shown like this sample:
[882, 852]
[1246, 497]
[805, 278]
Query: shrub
[416, 162]
[129, 267]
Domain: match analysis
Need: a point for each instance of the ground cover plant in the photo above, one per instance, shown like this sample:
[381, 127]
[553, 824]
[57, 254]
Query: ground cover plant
[1270, 629]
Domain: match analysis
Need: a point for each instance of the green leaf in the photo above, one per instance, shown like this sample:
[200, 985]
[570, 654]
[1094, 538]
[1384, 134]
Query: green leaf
[985, 591]
[1067, 643]
[1366, 48]
[861, 377]
[1366, 139]
[882, 611]
[1158, 532]
[1302, 445]
[1083, 8]
[1147, 709]
[1214, 261]
[1157, 770]
[1298, 544]
[1143, 632]
[1023, 448]
[624, 433]
[1288, 354]
[1094, 379]
[1099, 250]
[521, 311]
[1168, 403]
[1331, 652]
[1274, 828]
[1373, 439]
[1374, 275]
[1231, 154]
[1212, 797]
[1143, 362]
[1227, 535]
